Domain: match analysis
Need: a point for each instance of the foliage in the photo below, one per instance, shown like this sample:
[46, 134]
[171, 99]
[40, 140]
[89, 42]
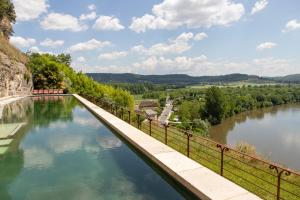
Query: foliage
[234, 100]
[50, 71]
[7, 12]
[142, 88]
[246, 148]
[215, 105]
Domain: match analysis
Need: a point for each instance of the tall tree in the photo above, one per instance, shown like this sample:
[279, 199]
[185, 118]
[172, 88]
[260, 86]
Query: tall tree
[215, 105]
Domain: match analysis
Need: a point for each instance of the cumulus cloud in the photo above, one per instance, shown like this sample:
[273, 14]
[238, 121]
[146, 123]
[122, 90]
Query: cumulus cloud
[185, 37]
[162, 48]
[37, 158]
[266, 45]
[22, 42]
[108, 23]
[200, 36]
[80, 59]
[92, 7]
[30, 9]
[89, 45]
[291, 25]
[61, 22]
[36, 49]
[113, 55]
[52, 43]
[171, 14]
[174, 46]
[89, 16]
[259, 6]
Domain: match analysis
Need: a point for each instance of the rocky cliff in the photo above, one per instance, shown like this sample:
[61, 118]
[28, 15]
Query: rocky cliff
[15, 78]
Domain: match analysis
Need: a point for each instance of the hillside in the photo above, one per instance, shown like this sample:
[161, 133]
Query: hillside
[174, 79]
[15, 77]
[293, 78]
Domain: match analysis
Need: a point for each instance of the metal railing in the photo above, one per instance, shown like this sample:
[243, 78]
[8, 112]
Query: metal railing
[263, 178]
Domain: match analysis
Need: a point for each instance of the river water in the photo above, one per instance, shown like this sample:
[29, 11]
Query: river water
[275, 133]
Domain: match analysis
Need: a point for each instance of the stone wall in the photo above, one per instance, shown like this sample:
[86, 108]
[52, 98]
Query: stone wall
[15, 78]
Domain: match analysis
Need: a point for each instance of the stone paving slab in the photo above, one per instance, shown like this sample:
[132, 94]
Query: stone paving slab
[204, 183]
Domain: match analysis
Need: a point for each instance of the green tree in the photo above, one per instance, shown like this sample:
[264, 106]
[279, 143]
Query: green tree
[215, 105]
[7, 17]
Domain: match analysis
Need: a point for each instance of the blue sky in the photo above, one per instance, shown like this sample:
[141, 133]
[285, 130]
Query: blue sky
[196, 37]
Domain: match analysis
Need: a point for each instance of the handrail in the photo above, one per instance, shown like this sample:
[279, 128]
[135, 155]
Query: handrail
[264, 178]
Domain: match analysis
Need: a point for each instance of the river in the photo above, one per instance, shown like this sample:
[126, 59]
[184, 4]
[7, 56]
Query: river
[274, 131]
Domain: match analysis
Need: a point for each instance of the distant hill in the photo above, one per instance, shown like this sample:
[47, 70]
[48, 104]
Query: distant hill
[293, 78]
[174, 79]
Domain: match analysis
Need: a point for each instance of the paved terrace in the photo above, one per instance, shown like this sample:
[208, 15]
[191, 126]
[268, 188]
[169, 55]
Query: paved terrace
[201, 181]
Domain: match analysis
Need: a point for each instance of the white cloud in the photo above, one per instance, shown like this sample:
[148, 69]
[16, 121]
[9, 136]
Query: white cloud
[171, 14]
[92, 7]
[52, 43]
[173, 46]
[185, 37]
[113, 55]
[162, 48]
[291, 26]
[36, 49]
[200, 36]
[266, 45]
[37, 158]
[108, 23]
[89, 45]
[89, 16]
[57, 21]
[80, 59]
[30, 9]
[259, 6]
[22, 42]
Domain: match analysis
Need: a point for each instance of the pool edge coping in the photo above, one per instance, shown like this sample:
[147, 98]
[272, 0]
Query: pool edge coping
[198, 179]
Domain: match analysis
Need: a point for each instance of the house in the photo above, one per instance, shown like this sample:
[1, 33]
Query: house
[148, 104]
[151, 114]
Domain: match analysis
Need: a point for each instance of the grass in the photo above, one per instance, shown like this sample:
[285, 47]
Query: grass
[11, 51]
[252, 174]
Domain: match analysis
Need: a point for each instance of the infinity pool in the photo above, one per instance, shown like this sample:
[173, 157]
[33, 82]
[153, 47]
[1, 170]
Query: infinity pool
[62, 151]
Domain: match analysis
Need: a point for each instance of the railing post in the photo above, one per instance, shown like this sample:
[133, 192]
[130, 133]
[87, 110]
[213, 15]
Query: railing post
[166, 133]
[138, 121]
[111, 108]
[122, 113]
[116, 110]
[188, 143]
[279, 174]
[223, 149]
[129, 116]
[150, 122]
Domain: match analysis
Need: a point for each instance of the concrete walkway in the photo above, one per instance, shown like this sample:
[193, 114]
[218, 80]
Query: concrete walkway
[201, 181]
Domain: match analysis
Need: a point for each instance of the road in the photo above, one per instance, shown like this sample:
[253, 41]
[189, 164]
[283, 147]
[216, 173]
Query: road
[166, 113]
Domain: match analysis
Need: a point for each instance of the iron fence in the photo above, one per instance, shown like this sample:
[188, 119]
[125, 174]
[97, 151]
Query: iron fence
[263, 178]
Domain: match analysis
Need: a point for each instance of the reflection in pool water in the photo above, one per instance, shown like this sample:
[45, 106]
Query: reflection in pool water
[64, 152]
[275, 132]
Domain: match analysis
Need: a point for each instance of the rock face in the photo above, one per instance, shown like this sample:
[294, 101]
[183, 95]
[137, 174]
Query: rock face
[15, 78]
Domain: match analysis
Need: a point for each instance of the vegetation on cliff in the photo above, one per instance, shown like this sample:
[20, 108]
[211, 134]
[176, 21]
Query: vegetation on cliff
[7, 17]
[51, 71]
